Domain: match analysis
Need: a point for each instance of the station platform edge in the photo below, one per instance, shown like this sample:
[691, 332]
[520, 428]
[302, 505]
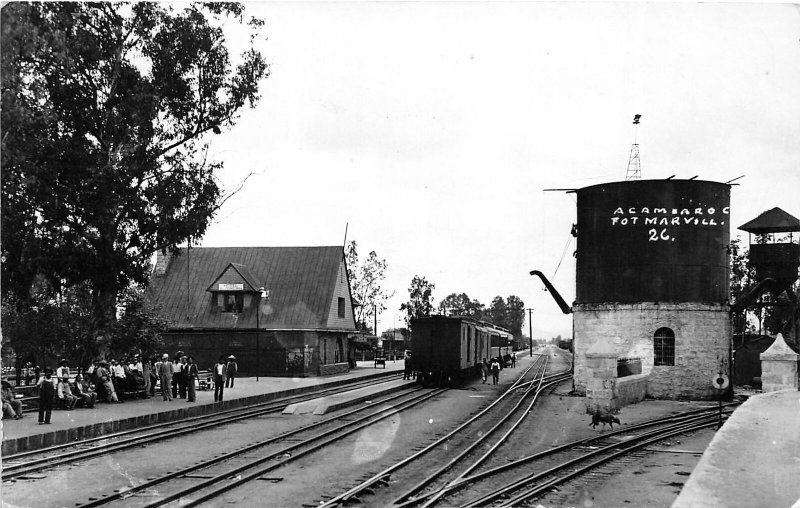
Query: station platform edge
[107, 418]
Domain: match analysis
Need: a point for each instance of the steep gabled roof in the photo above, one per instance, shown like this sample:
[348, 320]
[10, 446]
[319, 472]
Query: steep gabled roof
[300, 281]
[772, 221]
[244, 276]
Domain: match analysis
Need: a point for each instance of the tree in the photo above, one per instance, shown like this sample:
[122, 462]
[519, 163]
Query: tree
[52, 325]
[497, 312]
[108, 109]
[419, 302]
[515, 315]
[461, 305]
[741, 281]
[365, 286]
[139, 328]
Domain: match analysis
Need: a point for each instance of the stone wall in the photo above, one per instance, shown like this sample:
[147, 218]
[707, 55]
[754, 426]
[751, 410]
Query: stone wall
[601, 385]
[334, 368]
[702, 343]
[631, 389]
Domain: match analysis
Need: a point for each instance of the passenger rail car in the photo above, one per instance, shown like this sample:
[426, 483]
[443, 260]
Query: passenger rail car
[446, 349]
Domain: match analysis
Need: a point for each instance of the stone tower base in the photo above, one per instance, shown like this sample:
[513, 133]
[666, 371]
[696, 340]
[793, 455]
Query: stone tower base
[701, 344]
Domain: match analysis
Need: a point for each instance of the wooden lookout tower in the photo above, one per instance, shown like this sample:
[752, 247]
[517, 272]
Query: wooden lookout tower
[774, 238]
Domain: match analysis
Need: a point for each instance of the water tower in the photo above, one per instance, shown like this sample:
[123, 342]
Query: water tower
[652, 281]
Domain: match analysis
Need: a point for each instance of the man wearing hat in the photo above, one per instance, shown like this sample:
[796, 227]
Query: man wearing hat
[177, 375]
[135, 365]
[47, 390]
[191, 374]
[104, 377]
[165, 375]
[231, 369]
[65, 392]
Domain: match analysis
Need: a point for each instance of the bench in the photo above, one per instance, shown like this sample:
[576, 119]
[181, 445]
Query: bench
[204, 380]
[380, 361]
[133, 394]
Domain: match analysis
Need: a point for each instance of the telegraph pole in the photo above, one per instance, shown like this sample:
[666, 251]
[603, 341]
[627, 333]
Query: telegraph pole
[530, 329]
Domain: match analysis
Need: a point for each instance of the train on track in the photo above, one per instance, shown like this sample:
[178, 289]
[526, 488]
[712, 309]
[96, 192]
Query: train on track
[446, 349]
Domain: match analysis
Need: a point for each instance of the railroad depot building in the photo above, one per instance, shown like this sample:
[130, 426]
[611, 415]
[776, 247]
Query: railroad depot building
[281, 311]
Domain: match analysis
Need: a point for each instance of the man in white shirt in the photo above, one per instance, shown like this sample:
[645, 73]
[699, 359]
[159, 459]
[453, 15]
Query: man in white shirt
[177, 373]
[220, 374]
[136, 365]
[117, 376]
[63, 371]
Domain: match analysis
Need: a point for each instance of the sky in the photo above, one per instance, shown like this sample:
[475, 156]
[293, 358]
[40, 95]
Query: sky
[430, 131]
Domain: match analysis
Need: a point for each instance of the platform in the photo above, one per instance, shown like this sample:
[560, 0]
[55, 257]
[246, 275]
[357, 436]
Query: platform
[753, 460]
[107, 418]
[330, 403]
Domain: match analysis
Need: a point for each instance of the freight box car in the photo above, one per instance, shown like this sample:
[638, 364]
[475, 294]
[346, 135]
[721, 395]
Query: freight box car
[447, 349]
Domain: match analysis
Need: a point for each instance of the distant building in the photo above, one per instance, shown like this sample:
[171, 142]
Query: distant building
[280, 310]
[394, 339]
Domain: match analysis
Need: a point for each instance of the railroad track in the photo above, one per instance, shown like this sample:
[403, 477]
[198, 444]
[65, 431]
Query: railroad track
[561, 464]
[201, 482]
[474, 439]
[19, 465]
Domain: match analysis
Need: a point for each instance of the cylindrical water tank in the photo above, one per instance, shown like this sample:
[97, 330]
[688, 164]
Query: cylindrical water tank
[653, 241]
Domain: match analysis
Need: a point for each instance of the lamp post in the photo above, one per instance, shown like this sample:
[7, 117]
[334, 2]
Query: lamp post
[263, 295]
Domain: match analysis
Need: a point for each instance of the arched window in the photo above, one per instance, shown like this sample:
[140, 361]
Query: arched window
[664, 347]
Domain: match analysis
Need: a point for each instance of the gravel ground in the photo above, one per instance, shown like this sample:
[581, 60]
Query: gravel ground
[652, 479]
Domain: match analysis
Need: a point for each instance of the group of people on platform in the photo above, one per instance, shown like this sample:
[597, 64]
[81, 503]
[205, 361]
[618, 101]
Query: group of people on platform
[495, 365]
[112, 380]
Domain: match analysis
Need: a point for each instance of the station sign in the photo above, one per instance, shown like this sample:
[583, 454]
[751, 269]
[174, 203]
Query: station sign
[720, 381]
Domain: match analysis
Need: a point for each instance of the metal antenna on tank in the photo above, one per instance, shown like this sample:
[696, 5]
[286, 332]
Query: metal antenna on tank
[634, 164]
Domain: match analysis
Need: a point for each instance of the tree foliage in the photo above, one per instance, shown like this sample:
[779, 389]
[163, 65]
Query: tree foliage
[139, 328]
[461, 305]
[498, 311]
[420, 303]
[515, 315]
[107, 110]
[365, 278]
[508, 313]
[59, 324]
[741, 281]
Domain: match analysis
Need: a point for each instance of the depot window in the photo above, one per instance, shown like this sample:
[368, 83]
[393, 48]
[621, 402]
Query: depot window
[341, 307]
[231, 302]
[664, 347]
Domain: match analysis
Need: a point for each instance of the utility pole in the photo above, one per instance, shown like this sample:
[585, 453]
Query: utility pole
[530, 329]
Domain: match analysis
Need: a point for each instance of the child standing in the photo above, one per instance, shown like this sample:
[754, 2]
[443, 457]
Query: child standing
[47, 390]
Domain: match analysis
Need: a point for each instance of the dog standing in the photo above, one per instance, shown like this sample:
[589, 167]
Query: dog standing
[604, 418]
